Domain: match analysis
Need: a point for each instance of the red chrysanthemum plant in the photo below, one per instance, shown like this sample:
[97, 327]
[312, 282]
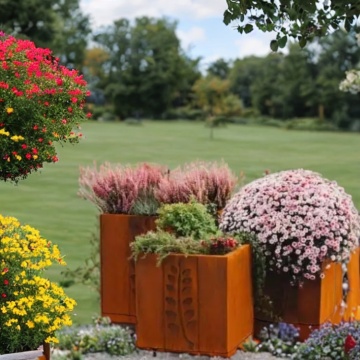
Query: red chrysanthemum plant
[41, 103]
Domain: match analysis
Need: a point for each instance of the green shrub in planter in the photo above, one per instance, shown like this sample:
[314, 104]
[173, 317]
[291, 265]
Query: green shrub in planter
[186, 220]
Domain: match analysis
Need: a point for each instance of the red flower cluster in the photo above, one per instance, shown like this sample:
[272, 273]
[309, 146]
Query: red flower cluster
[350, 343]
[41, 102]
[222, 245]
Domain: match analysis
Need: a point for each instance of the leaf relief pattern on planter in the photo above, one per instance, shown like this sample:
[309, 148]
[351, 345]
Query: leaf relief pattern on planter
[199, 304]
[181, 299]
[117, 231]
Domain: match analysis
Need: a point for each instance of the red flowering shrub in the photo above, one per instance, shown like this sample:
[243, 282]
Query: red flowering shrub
[41, 102]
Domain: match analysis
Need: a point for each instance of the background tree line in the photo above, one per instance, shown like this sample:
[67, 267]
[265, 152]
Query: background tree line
[138, 69]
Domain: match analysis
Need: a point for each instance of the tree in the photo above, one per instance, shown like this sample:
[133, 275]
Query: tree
[336, 54]
[242, 75]
[265, 90]
[213, 96]
[296, 84]
[219, 68]
[56, 24]
[298, 19]
[146, 70]
[73, 29]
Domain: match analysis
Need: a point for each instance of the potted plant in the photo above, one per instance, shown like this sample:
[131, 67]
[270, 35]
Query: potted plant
[308, 229]
[32, 307]
[125, 196]
[41, 102]
[193, 285]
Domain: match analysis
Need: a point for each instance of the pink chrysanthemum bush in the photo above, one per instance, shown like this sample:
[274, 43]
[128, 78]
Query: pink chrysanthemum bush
[122, 189]
[300, 220]
[41, 103]
[209, 183]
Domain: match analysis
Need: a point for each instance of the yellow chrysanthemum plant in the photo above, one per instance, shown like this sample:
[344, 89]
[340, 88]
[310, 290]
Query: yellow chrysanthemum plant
[32, 308]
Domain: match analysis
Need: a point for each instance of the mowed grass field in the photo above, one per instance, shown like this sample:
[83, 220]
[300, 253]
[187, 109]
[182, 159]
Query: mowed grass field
[48, 200]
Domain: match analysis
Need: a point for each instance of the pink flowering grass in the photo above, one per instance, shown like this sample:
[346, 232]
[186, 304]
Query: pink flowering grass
[206, 182]
[299, 218]
[115, 189]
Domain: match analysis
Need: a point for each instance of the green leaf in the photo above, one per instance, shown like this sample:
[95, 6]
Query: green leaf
[248, 28]
[274, 45]
[227, 17]
[282, 42]
[347, 25]
[302, 42]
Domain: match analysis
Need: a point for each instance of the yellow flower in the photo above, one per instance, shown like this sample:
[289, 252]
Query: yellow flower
[3, 132]
[18, 157]
[16, 138]
[51, 339]
[30, 324]
[35, 157]
[9, 110]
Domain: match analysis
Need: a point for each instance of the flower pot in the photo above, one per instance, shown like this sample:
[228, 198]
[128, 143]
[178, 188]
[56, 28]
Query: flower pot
[43, 353]
[117, 231]
[198, 304]
[316, 302]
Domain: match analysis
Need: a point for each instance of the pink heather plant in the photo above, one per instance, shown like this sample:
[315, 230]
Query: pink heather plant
[117, 189]
[299, 218]
[207, 182]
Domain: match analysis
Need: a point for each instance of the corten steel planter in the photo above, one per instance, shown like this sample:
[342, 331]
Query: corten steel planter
[117, 231]
[316, 302]
[199, 304]
[43, 353]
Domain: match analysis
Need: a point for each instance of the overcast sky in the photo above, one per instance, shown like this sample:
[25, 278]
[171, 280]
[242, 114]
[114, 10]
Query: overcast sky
[200, 27]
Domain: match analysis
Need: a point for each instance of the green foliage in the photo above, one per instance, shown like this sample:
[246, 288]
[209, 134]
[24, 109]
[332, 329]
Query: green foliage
[219, 68]
[190, 219]
[102, 113]
[146, 71]
[163, 243]
[59, 25]
[88, 273]
[310, 124]
[263, 303]
[331, 342]
[298, 19]
[99, 337]
[212, 95]
[184, 113]
[301, 84]
[279, 340]
[145, 204]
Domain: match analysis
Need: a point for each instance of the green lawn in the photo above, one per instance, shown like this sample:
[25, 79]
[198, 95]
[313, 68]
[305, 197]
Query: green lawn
[49, 202]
